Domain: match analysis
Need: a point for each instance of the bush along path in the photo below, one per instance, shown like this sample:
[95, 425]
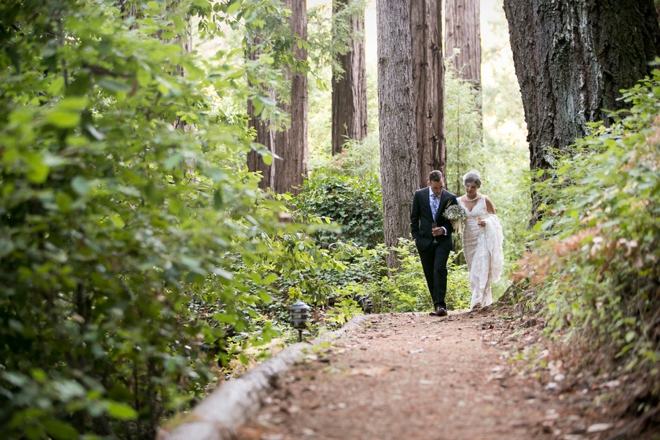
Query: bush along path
[483, 375]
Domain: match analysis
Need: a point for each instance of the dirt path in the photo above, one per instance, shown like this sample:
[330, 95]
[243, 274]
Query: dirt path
[413, 376]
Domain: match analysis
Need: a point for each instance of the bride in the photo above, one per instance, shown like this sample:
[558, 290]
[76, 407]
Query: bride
[482, 241]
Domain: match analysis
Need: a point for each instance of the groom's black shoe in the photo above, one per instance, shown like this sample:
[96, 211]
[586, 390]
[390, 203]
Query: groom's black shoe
[441, 311]
[433, 313]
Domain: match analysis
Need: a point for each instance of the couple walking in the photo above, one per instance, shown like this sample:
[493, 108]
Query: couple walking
[482, 238]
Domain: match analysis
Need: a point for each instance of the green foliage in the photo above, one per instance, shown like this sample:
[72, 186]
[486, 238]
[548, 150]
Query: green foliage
[597, 268]
[358, 159]
[405, 289]
[354, 203]
[118, 213]
[463, 129]
[501, 159]
[330, 32]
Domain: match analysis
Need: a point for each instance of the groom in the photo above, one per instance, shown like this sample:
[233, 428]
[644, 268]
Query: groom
[428, 206]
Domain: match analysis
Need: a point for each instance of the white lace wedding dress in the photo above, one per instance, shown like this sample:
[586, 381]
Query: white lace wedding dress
[483, 252]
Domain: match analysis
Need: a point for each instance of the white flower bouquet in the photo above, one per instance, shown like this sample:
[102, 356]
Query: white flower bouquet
[456, 214]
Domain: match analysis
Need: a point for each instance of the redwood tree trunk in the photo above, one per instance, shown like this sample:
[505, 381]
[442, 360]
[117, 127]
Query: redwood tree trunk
[264, 135]
[396, 118]
[349, 89]
[428, 77]
[266, 138]
[463, 32]
[571, 60]
[291, 145]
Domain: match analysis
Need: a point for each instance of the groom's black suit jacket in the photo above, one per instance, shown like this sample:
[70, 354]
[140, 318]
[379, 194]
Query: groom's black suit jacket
[421, 219]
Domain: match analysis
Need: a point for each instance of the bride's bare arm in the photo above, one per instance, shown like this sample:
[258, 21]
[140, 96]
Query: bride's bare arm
[490, 207]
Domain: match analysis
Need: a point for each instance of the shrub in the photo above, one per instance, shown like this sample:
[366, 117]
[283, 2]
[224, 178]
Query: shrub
[595, 264]
[405, 290]
[115, 220]
[353, 203]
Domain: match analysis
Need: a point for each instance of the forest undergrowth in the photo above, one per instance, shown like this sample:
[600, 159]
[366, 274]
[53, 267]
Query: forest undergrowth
[593, 268]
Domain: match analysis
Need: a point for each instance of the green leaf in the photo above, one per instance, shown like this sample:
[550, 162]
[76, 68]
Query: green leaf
[63, 119]
[73, 104]
[270, 278]
[94, 132]
[38, 169]
[176, 206]
[217, 199]
[16, 379]
[113, 86]
[63, 201]
[80, 185]
[79, 86]
[233, 7]
[223, 317]
[56, 86]
[244, 360]
[173, 161]
[268, 159]
[120, 410]
[6, 246]
[117, 221]
[144, 77]
[218, 271]
[60, 430]
[258, 106]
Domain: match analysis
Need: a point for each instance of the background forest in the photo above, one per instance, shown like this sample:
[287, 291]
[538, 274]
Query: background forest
[142, 259]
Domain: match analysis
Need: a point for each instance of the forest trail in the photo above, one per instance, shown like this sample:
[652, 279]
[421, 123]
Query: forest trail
[414, 376]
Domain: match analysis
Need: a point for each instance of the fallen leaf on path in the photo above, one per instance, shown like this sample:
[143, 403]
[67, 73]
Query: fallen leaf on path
[598, 427]
[611, 384]
[370, 372]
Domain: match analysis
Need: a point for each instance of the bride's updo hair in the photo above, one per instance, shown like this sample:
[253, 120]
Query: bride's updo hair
[472, 176]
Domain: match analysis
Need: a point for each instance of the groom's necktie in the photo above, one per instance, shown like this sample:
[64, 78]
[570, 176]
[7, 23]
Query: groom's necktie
[435, 203]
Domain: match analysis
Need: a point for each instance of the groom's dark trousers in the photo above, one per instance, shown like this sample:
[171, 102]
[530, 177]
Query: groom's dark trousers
[433, 256]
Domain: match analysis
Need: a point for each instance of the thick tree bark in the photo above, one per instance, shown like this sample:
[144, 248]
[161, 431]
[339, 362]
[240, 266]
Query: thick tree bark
[266, 138]
[291, 145]
[428, 77]
[463, 32]
[396, 110]
[571, 60]
[349, 89]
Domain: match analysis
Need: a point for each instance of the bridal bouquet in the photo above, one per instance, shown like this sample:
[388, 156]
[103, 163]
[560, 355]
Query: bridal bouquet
[456, 214]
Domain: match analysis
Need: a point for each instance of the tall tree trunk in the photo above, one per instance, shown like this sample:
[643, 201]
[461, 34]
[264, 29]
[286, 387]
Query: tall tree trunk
[428, 78]
[349, 89]
[291, 145]
[266, 138]
[463, 32]
[264, 135]
[571, 60]
[396, 118]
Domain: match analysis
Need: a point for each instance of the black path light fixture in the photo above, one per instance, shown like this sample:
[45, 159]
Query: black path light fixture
[299, 317]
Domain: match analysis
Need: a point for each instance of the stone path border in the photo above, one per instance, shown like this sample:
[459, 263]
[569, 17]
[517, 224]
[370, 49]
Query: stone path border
[235, 402]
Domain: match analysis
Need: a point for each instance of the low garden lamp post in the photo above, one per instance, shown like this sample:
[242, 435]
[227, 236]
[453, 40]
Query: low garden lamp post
[299, 317]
